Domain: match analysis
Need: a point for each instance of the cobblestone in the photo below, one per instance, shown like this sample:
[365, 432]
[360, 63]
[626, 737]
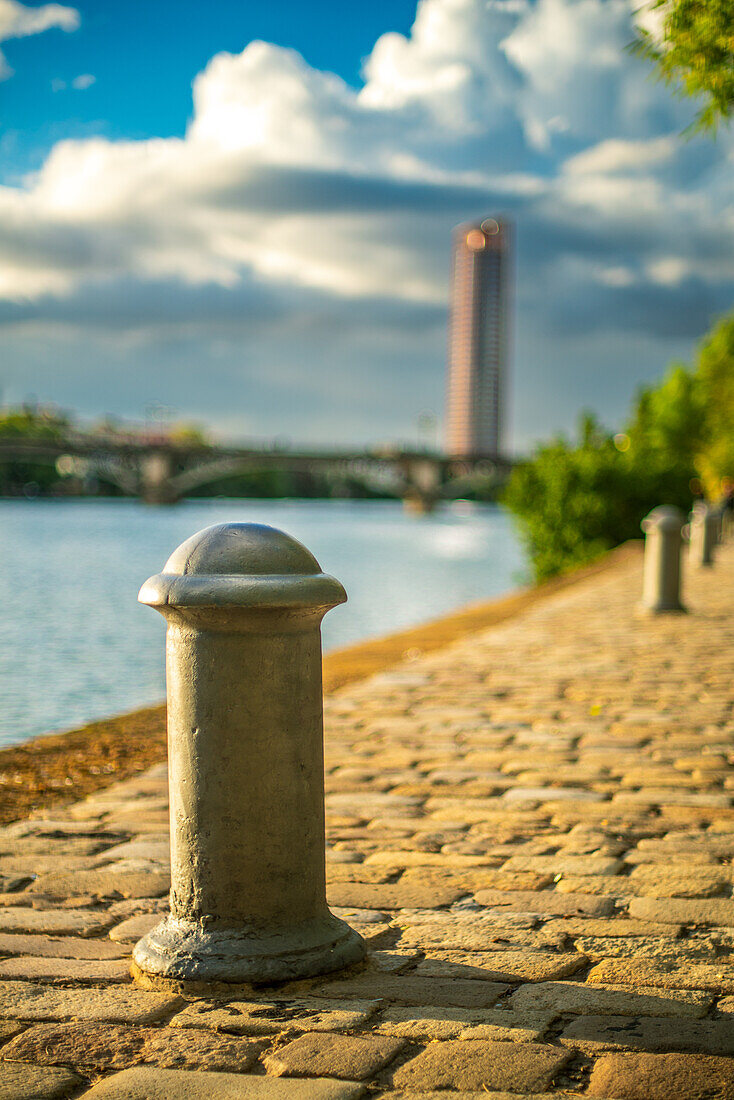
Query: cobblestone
[424, 1023]
[501, 966]
[389, 896]
[60, 947]
[350, 1057]
[271, 1017]
[65, 970]
[53, 922]
[561, 997]
[102, 884]
[19, 1082]
[111, 1046]
[717, 976]
[518, 1067]
[29, 1001]
[534, 830]
[485, 1094]
[684, 911]
[134, 928]
[468, 932]
[410, 989]
[651, 1034]
[551, 902]
[656, 1076]
[163, 1084]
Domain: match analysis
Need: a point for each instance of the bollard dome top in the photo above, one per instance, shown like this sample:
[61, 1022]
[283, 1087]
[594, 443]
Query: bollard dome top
[242, 564]
[664, 518]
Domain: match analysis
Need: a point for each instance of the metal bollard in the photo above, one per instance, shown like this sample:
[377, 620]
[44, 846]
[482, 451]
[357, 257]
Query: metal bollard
[244, 605]
[703, 528]
[663, 538]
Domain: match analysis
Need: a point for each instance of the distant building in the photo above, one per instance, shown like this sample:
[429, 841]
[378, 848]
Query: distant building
[478, 323]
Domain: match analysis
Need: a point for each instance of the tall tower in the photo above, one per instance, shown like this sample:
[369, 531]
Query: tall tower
[477, 338]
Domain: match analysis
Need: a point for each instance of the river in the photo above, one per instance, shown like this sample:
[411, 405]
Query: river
[75, 645]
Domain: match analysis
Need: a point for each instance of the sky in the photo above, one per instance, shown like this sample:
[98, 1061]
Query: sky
[243, 212]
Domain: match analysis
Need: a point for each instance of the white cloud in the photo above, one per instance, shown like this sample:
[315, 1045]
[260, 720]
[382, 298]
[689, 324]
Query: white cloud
[294, 196]
[79, 83]
[616, 276]
[452, 68]
[617, 156]
[19, 21]
[650, 17]
[576, 68]
[668, 270]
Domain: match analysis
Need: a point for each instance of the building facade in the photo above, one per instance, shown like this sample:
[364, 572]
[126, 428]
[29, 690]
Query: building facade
[478, 339]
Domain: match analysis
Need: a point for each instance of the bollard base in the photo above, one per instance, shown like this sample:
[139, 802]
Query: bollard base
[180, 952]
[661, 609]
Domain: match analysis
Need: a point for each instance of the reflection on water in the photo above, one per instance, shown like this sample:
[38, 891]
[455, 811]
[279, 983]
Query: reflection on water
[457, 542]
[75, 644]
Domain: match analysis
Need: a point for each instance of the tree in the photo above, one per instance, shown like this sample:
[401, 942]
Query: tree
[715, 377]
[693, 48]
[667, 425]
[574, 502]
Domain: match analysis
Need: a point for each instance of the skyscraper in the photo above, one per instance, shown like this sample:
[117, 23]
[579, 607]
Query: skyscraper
[477, 338]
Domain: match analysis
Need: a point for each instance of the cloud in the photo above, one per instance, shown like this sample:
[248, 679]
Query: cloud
[19, 21]
[580, 81]
[79, 83]
[298, 215]
[616, 156]
[650, 18]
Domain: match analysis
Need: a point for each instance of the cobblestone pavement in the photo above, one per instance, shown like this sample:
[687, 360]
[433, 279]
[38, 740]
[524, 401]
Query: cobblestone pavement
[533, 829]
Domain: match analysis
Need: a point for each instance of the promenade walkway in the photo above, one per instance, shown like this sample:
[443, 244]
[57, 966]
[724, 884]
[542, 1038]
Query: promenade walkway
[533, 828]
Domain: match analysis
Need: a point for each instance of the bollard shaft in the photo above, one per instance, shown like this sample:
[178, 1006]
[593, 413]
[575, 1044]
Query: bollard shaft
[703, 527]
[247, 788]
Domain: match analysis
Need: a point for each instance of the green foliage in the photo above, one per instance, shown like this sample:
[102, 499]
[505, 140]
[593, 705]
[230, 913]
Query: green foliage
[668, 418]
[695, 51]
[27, 479]
[715, 377]
[32, 423]
[573, 503]
[188, 435]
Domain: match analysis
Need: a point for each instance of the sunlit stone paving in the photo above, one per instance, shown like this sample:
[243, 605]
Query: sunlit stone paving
[534, 831]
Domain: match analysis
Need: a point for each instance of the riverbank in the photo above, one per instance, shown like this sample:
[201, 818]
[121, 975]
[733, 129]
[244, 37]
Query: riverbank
[66, 767]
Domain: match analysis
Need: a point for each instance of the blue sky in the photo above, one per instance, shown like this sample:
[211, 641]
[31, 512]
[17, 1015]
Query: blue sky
[143, 91]
[268, 254]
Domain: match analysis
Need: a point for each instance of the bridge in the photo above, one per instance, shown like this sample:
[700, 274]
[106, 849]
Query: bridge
[159, 470]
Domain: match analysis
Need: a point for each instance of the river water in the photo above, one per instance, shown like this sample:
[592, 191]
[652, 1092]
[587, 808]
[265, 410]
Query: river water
[75, 645]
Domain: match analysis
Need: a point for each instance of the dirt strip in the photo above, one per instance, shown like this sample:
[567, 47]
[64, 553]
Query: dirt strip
[65, 767]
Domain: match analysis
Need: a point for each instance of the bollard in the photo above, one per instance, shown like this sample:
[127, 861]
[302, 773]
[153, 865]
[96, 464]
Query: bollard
[703, 530]
[663, 538]
[244, 605]
[726, 524]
